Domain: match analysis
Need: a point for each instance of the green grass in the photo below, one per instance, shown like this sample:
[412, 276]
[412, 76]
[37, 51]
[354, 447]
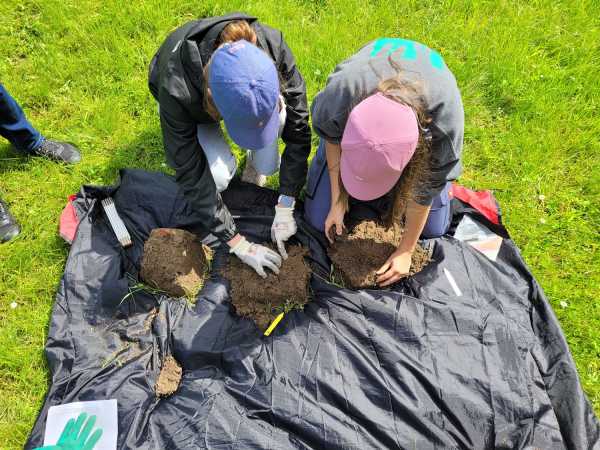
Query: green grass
[528, 75]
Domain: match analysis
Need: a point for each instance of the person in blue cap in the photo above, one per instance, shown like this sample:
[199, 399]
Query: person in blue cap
[26, 140]
[235, 69]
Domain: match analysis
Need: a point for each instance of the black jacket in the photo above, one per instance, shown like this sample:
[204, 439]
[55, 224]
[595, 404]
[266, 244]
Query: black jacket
[176, 82]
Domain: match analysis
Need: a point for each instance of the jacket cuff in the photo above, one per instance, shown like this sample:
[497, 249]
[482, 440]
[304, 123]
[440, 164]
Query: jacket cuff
[289, 191]
[227, 235]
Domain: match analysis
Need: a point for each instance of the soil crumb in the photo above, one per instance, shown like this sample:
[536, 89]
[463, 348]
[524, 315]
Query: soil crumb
[174, 262]
[263, 299]
[358, 255]
[169, 377]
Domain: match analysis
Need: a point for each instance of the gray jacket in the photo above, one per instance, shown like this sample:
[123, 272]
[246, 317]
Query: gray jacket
[357, 77]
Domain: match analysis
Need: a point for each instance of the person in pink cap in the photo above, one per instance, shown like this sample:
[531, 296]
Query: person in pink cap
[391, 124]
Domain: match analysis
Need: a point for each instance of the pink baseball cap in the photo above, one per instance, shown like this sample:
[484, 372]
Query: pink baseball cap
[380, 137]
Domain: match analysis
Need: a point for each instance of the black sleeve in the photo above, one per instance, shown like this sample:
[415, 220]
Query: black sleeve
[192, 172]
[296, 132]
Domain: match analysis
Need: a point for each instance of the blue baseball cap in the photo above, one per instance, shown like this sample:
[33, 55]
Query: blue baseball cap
[245, 88]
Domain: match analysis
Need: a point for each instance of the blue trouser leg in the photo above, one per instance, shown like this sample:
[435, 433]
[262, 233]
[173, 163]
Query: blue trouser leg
[15, 127]
[440, 215]
[318, 200]
[318, 190]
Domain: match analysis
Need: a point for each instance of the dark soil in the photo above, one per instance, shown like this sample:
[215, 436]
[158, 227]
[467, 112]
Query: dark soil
[169, 377]
[174, 262]
[263, 299]
[358, 255]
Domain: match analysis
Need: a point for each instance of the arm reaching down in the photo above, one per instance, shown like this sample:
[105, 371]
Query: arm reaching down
[192, 172]
[296, 132]
[256, 256]
[398, 264]
[335, 218]
[296, 135]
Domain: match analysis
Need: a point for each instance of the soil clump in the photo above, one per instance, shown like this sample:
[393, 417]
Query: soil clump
[358, 255]
[264, 299]
[168, 378]
[174, 262]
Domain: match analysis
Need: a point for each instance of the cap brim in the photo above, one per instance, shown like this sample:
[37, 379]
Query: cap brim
[255, 138]
[365, 190]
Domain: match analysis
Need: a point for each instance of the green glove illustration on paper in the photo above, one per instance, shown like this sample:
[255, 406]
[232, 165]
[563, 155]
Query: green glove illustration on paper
[77, 435]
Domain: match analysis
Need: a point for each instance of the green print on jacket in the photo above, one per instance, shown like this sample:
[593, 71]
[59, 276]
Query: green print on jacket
[410, 50]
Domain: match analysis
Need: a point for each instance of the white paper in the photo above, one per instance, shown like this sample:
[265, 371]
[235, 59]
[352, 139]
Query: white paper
[106, 419]
[479, 237]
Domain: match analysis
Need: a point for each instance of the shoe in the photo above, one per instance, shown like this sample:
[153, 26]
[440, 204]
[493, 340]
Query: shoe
[8, 225]
[58, 151]
[250, 175]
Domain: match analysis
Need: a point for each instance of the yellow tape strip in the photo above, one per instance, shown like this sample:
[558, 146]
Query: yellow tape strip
[274, 324]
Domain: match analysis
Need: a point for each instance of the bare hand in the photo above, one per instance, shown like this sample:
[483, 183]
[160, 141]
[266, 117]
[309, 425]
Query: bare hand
[335, 221]
[396, 267]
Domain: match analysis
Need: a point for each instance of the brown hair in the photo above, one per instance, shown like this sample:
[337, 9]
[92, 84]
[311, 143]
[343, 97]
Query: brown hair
[416, 171]
[235, 31]
[409, 93]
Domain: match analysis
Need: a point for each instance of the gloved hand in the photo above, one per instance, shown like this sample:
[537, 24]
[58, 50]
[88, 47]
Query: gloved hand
[257, 256]
[74, 437]
[284, 227]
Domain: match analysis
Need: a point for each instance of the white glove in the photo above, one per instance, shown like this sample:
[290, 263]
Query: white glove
[284, 227]
[257, 256]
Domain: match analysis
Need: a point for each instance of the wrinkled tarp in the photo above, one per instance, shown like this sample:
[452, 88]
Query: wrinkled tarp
[414, 368]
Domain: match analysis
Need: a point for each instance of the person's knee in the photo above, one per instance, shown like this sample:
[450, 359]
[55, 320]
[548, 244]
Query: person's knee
[433, 231]
[315, 213]
[273, 168]
[318, 191]
[266, 161]
[222, 175]
[440, 215]
[317, 205]
[437, 223]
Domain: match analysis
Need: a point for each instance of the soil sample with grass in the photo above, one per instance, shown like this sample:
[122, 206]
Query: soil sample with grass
[168, 378]
[174, 262]
[358, 255]
[263, 299]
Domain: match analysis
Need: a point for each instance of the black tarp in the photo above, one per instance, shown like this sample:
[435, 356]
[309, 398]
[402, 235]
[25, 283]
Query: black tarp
[414, 368]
